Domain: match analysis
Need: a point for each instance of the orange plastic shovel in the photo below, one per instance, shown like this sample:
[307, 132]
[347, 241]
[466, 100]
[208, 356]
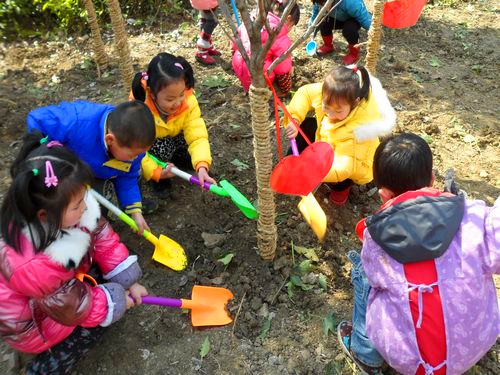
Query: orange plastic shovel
[207, 305]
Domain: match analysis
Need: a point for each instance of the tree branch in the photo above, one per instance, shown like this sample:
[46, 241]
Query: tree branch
[324, 11]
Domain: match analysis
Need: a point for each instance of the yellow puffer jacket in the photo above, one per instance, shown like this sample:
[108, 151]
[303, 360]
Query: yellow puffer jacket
[355, 138]
[186, 119]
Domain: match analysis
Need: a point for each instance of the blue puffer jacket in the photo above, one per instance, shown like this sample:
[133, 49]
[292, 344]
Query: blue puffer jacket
[353, 9]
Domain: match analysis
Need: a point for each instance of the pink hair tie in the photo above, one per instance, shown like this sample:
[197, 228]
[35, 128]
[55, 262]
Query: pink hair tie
[179, 65]
[144, 76]
[54, 143]
[355, 69]
[50, 176]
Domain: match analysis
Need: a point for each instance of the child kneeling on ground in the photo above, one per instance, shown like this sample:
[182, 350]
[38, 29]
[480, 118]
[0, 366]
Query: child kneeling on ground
[423, 283]
[52, 231]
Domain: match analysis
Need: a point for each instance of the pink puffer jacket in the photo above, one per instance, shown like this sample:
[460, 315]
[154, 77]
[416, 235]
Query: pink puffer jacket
[204, 4]
[41, 302]
[280, 45]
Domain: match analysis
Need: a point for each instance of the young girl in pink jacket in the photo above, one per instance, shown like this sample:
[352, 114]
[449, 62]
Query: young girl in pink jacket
[283, 71]
[52, 234]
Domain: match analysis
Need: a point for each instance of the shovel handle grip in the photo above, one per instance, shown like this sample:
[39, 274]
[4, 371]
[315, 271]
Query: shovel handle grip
[189, 178]
[295, 149]
[162, 301]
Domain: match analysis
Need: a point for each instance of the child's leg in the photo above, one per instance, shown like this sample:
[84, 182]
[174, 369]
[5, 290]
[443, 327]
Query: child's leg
[61, 358]
[308, 126]
[326, 28]
[284, 82]
[350, 31]
[361, 345]
[208, 22]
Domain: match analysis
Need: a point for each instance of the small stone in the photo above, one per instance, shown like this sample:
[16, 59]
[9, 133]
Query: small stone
[263, 311]
[280, 263]
[305, 355]
[483, 174]
[217, 280]
[303, 227]
[145, 353]
[183, 281]
[212, 240]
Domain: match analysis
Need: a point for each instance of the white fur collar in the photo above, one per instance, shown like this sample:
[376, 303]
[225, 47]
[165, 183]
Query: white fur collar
[73, 243]
[380, 127]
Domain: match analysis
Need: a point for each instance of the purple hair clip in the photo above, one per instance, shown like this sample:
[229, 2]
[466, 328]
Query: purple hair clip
[50, 176]
[54, 143]
[179, 65]
[144, 76]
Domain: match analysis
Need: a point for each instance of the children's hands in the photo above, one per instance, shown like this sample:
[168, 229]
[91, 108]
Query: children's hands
[291, 131]
[165, 173]
[204, 176]
[141, 223]
[137, 291]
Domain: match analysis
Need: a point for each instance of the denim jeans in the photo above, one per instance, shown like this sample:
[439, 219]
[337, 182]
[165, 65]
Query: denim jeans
[361, 345]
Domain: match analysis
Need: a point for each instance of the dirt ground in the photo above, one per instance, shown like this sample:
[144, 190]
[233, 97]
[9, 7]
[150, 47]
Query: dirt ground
[442, 78]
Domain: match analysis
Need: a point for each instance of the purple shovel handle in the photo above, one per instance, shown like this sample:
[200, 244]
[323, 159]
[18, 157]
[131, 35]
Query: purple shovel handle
[295, 149]
[162, 301]
[195, 181]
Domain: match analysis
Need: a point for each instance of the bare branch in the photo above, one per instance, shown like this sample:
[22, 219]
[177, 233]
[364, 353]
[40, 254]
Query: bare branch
[237, 38]
[323, 13]
[282, 22]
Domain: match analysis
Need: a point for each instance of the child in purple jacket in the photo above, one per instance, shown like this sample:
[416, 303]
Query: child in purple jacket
[424, 296]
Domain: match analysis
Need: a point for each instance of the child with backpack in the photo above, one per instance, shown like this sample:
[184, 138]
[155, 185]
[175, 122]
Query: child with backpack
[424, 296]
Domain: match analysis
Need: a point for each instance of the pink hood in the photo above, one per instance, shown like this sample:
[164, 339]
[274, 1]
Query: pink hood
[280, 45]
[204, 4]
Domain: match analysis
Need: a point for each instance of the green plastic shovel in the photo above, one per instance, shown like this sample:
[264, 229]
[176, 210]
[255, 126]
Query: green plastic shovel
[226, 189]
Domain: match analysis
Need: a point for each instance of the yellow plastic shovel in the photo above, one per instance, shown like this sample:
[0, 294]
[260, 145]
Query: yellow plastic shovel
[167, 251]
[309, 207]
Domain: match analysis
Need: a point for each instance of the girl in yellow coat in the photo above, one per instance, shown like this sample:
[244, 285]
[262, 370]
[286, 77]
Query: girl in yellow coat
[167, 89]
[351, 111]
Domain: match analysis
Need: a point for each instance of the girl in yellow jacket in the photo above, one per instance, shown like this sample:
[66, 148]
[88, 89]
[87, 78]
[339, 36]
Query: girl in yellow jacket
[167, 89]
[351, 111]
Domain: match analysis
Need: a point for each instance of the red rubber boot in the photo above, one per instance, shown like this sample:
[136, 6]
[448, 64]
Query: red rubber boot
[327, 46]
[352, 56]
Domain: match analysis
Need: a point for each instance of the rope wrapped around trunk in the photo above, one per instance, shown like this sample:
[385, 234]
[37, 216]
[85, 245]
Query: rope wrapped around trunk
[101, 58]
[266, 227]
[374, 36]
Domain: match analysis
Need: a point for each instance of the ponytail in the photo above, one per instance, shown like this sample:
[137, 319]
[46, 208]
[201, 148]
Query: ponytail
[346, 83]
[163, 69]
[137, 89]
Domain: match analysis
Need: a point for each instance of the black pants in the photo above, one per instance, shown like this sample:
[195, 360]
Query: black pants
[350, 28]
[61, 358]
[309, 127]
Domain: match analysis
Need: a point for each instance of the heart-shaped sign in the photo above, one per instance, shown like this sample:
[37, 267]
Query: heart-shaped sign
[299, 175]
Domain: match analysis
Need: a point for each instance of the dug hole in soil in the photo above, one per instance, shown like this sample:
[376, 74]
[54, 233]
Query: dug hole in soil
[442, 78]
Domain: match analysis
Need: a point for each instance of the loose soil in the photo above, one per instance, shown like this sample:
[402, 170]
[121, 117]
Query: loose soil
[442, 78]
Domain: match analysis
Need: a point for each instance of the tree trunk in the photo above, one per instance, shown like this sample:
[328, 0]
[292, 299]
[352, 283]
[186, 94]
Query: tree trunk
[374, 36]
[121, 42]
[266, 227]
[101, 58]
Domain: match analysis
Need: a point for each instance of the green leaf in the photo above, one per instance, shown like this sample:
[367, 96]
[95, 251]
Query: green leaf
[329, 323]
[305, 267]
[226, 259]
[205, 348]
[309, 253]
[322, 281]
[290, 289]
[427, 138]
[333, 368]
[296, 280]
[265, 328]
[240, 166]
[216, 81]
[435, 62]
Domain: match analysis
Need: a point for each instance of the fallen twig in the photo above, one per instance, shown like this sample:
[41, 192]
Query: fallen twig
[238, 312]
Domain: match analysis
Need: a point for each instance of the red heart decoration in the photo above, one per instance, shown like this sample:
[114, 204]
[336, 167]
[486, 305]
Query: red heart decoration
[299, 175]
[402, 13]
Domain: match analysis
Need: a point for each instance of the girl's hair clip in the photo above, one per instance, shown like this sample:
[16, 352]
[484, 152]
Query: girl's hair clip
[355, 69]
[35, 172]
[50, 176]
[54, 143]
[144, 76]
[44, 139]
[179, 65]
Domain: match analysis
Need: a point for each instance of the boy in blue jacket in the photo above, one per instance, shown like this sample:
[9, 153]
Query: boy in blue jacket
[348, 16]
[111, 140]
